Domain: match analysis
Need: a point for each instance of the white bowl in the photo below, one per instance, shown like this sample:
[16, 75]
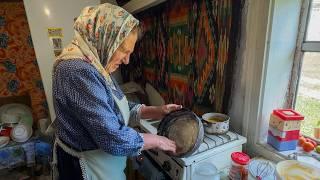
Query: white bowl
[217, 127]
[292, 169]
[21, 133]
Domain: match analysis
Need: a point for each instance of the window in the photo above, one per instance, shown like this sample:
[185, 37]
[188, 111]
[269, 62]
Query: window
[307, 98]
[272, 63]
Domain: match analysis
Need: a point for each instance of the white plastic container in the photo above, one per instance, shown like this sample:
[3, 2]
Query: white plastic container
[206, 171]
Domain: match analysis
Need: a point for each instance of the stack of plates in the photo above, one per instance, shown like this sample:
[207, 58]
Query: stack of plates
[13, 113]
[19, 117]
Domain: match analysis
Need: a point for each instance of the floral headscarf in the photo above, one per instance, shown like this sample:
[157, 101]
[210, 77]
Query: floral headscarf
[99, 31]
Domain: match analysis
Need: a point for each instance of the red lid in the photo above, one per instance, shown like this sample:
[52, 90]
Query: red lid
[288, 114]
[240, 158]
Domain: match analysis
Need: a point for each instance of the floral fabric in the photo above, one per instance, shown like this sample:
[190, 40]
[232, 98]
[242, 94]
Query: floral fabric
[99, 31]
[19, 71]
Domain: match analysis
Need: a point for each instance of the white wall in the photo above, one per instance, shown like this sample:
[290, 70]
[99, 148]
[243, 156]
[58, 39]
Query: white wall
[282, 44]
[61, 15]
[265, 57]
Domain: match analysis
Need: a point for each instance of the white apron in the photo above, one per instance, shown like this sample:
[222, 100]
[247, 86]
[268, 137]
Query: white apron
[97, 164]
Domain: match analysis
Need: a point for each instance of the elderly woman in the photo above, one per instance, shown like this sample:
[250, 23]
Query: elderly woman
[93, 139]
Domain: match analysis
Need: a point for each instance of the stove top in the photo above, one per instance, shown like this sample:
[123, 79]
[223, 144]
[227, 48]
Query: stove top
[210, 144]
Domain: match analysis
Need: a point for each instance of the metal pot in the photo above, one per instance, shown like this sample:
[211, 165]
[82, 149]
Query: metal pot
[185, 128]
[216, 123]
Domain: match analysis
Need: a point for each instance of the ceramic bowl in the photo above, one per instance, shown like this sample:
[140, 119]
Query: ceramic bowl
[292, 169]
[216, 123]
[21, 133]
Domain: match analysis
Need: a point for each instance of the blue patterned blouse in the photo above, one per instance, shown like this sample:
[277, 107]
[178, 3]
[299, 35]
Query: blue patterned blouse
[87, 117]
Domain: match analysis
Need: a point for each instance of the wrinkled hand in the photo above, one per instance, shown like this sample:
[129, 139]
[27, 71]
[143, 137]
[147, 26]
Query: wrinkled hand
[166, 109]
[166, 144]
[153, 141]
[170, 107]
[158, 112]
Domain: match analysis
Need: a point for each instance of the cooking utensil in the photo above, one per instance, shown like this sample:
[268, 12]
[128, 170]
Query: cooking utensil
[216, 123]
[185, 128]
[261, 169]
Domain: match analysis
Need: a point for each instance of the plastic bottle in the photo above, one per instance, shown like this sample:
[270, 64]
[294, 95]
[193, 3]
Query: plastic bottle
[239, 166]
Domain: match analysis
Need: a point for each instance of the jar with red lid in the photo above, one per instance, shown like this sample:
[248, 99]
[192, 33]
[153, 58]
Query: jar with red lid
[239, 166]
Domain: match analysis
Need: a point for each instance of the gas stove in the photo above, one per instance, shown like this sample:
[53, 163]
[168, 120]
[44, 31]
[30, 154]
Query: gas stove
[215, 149]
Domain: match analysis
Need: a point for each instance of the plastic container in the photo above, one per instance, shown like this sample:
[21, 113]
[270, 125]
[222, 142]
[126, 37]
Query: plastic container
[285, 120]
[206, 171]
[239, 166]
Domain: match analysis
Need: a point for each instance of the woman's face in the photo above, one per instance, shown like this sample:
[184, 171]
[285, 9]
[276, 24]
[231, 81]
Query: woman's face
[122, 54]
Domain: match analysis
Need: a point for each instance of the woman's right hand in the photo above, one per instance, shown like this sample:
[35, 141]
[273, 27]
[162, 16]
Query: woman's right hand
[152, 141]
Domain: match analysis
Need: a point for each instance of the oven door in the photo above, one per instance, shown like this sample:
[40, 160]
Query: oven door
[148, 168]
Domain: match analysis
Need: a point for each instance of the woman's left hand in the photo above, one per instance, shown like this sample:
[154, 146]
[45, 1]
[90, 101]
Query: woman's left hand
[158, 112]
[166, 109]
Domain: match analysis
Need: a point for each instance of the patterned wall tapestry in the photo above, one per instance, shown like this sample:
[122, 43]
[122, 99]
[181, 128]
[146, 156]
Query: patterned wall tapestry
[19, 72]
[187, 52]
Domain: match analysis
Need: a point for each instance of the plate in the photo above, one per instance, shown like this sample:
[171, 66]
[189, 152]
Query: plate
[4, 140]
[13, 113]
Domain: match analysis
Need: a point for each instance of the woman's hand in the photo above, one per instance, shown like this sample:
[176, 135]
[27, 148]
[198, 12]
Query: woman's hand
[152, 141]
[158, 112]
[165, 109]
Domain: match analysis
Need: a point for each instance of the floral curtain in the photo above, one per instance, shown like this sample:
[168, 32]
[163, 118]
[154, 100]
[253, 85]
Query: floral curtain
[19, 72]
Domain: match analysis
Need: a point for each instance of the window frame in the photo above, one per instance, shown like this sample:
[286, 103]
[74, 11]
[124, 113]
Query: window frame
[256, 73]
[302, 46]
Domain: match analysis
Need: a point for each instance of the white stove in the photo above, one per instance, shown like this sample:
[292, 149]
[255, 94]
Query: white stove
[215, 149]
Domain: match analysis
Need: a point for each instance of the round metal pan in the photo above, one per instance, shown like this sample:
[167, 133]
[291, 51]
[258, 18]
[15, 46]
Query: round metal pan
[185, 128]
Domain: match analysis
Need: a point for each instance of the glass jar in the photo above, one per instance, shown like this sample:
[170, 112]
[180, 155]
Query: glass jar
[239, 166]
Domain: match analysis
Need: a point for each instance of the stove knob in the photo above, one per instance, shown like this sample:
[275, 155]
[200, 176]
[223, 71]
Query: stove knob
[166, 166]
